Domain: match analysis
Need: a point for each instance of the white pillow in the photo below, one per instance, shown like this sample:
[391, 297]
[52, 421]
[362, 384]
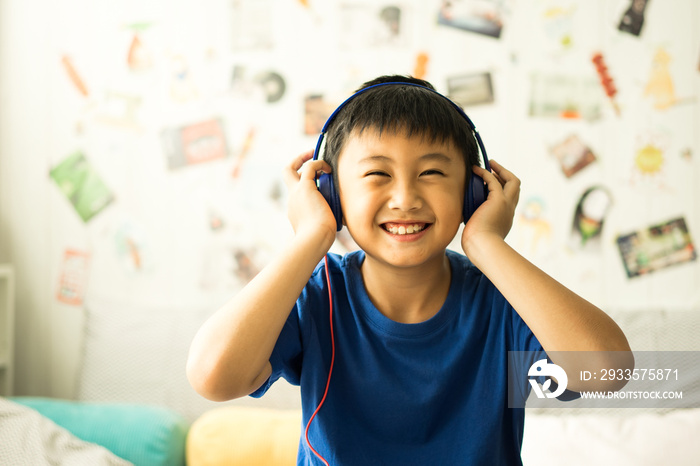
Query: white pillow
[137, 352]
[647, 439]
[30, 438]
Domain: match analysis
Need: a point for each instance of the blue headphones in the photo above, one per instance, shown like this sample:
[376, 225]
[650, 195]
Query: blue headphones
[474, 195]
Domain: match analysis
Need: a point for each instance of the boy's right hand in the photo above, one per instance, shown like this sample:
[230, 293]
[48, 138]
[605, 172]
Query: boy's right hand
[309, 213]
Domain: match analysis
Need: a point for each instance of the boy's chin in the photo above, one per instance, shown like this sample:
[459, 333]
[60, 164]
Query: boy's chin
[406, 261]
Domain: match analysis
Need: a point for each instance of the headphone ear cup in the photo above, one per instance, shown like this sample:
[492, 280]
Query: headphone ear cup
[327, 188]
[474, 196]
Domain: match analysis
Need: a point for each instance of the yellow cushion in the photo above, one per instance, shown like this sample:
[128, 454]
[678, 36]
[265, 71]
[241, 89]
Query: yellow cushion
[238, 435]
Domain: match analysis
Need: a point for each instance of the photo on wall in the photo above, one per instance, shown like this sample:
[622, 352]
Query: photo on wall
[573, 155]
[471, 89]
[82, 186]
[193, 144]
[479, 16]
[565, 96]
[633, 18]
[73, 277]
[316, 111]
[656, 247]
[373, 24]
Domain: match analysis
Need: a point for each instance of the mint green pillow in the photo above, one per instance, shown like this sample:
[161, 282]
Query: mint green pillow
[145, 435]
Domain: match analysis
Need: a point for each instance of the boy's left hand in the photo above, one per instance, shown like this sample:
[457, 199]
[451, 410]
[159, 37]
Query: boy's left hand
[495, 216]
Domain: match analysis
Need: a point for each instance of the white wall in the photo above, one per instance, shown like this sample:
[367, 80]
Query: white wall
[43, 119]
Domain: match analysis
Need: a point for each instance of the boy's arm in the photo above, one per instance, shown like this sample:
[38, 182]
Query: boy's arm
[561, 320]
[229, 356]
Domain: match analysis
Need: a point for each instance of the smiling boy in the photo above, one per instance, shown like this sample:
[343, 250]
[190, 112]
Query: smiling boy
[421, 333]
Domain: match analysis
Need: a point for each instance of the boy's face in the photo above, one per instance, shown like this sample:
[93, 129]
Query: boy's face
[402, 197]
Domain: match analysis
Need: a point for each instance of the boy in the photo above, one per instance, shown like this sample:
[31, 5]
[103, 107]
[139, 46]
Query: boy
[422, 334]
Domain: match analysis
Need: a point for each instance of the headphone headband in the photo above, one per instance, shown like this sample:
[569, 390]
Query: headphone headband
[459, 109]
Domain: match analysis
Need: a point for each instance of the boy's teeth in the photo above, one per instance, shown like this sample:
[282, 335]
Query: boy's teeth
[405, 229]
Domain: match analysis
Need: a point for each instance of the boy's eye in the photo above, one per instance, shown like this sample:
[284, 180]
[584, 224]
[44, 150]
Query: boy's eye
[376, 173]
[432, 172]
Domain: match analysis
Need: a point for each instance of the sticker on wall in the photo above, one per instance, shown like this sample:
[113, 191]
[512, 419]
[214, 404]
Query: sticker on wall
[420, 70]
[74, 76]
[119, 110]
[660, 84]
[243, 153]
[268, 85]
[275, 194]
[605, 80]
[649, 157]
[82, 186]
[132, 247]
[182, 87]
[589, 217]
[633, 18]
[252, 24]
[316, 112]
[480, 16]
[73, 277]
[656, 247]
[564, 96]
[272, 84]
[471, 89]
[537, 229]
[197, 143]
[372, 24]
[573, 155]
[245, 267]
[138, 58]
[216, 221]
[558, 25]
[687, 154]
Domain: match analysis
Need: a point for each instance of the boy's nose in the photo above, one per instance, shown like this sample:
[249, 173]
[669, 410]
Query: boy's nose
[405, 197]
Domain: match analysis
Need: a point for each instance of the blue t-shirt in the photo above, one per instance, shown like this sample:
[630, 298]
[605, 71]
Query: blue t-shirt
[434, 392]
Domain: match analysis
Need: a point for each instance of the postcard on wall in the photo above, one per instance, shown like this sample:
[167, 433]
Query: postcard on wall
[197, 143]
[479, 16]
[371, 24]
[656, 247]
[78, 181]
[573, 155]
[565, 96]
[73, 280]
[316, 111]
[633, 18]
[252, 24]
[268, 84]
[471, 89]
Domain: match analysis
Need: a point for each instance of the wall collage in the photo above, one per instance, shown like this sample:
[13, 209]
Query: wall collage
[175, 120]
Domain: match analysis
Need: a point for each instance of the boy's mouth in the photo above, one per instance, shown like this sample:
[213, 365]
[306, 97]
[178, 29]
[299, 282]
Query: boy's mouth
[404, 228]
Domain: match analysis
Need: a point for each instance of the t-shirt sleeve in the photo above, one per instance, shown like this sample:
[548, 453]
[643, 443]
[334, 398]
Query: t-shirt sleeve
[286, 355]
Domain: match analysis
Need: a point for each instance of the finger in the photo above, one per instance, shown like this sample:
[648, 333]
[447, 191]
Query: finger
[300, 160]
[492, 183]
[312, 168]
[511, 183]
[500, 180]
[291, 173]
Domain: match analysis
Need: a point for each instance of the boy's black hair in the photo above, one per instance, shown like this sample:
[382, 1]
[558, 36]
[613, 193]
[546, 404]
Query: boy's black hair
[408, 109]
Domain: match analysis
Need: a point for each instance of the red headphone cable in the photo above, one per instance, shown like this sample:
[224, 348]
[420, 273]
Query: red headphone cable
[330, 371]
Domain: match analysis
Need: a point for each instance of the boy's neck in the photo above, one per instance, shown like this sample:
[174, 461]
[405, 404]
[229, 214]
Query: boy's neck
[407, 295]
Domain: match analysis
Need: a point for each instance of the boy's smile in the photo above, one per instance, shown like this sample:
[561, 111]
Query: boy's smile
[401, 196]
